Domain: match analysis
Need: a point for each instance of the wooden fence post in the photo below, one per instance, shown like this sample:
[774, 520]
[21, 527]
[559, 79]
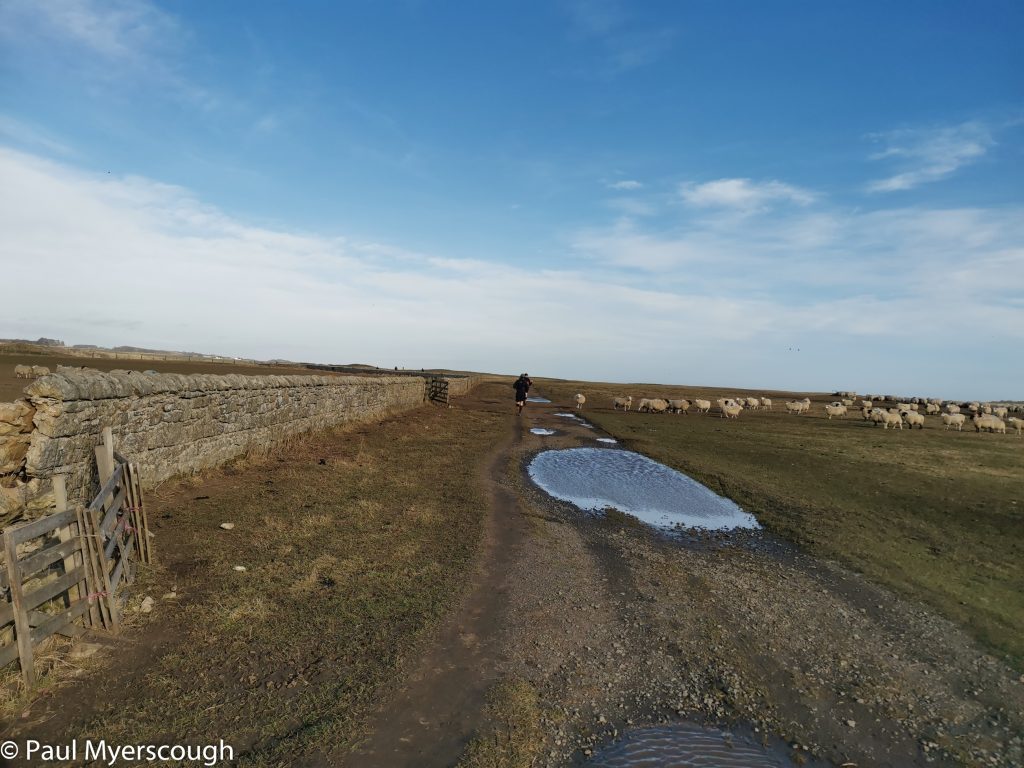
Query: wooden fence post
[22, 630]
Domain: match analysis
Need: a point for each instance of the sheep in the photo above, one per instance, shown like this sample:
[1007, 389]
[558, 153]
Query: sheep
[702, 406]
[655, 405]
[580, 400]
[848, 402]
[890, 419]
[835, 410]
[23, 371]
[954, 420]
[796, 407]
[867, 404]
[986, 409]
[903, 407]
[679, 406]
[625, 403]
[913, 418]
[952, 408]
[753, 403]
[730, 411]
[931, 408]
[1000, 411]
[991, 423]
[40, 370]
[729, 402]
[1017, 424]
[766, 403]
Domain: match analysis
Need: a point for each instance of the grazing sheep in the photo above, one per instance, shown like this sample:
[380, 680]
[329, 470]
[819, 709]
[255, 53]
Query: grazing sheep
[954, 420]
[1017, 424]
[913, 419]
[848, 402]
[903, 407]
[796, 407]
[730, 411]
[953, 408]
[702, 406]
[867, 404]
[679, 406]
[931, 408]
[835, 410]
[580, 400]
[1000, 411]
[991, 423]
[625, 403]
[753, 403]
[890, 419]
[653, 405]
[766, 403]
[729, 402]
[23, 371]
[40, 370]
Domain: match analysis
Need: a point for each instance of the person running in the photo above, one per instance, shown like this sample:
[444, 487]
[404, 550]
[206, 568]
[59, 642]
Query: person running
[522, 387]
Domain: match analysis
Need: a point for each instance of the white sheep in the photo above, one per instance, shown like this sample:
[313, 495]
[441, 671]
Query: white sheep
[867, 404]
[1000, 411]
[23, 371]
[679, 406]
[886, 418]
[1017, 424]
[40, 370]
[991, 423]
[932, 408]
[796, 407]
[653, 405]
[848, 402]
[913, 419]
[954, 420]
[702, 406]
[766, 403]
[730, 411]
[580, 400]
[753, 403]
[625, 403]
[835, 409]
[952, 408]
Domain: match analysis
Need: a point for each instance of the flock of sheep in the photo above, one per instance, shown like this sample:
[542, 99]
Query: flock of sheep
[30, 371]
[985, 416]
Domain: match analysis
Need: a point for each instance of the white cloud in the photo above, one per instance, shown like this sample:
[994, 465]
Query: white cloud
[872, 299]
[26, 133]
[929, 155]
[625, 184]
[743, 194]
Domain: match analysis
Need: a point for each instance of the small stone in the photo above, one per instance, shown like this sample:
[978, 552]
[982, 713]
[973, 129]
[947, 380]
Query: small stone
[169, 596]
[147, 604]
[227, 526]
[240, 568]
[852, 723]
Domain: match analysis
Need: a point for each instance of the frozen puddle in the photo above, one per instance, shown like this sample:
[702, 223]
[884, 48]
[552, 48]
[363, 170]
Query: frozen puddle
[686, 745]
[542, 431]
[609, 440]
[597, 478]
[567, 415]
[537, 400]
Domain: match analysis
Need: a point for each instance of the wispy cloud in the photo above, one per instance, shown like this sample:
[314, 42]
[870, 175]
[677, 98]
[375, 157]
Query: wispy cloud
[743, 194]
[929, 155]
[627, 185]
[627, 44]
[21, 132]
[655, 304]
[107, 41]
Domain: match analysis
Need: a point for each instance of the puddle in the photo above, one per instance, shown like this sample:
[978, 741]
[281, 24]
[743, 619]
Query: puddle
[610, 440]
[687, 745]
[567, 415]
[537, 400]
[596, 478]
[586, 425]
[542, 431]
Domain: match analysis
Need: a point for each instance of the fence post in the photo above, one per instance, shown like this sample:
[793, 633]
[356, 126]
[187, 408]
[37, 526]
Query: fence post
[22, 630]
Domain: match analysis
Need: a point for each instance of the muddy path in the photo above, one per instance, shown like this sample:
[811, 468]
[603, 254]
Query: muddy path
[431, 718]
[617, 625]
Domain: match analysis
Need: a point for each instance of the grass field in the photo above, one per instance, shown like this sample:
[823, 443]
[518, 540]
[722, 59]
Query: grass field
[355, 543]
[937, 515]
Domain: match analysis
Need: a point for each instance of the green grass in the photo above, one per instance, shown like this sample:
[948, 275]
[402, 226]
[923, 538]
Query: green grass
[933, 514]
[349, 563]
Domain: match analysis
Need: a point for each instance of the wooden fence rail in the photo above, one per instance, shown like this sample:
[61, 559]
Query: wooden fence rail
[63, 573]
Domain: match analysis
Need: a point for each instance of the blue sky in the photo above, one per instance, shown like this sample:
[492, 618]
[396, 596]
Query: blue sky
[675, 192]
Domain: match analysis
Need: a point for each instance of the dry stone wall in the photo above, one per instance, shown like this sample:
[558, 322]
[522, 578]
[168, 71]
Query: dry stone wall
[171, 424]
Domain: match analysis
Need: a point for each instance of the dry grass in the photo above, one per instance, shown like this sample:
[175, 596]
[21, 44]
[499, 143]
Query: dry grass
[355, 545]
[514, 734]
[937, 515]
